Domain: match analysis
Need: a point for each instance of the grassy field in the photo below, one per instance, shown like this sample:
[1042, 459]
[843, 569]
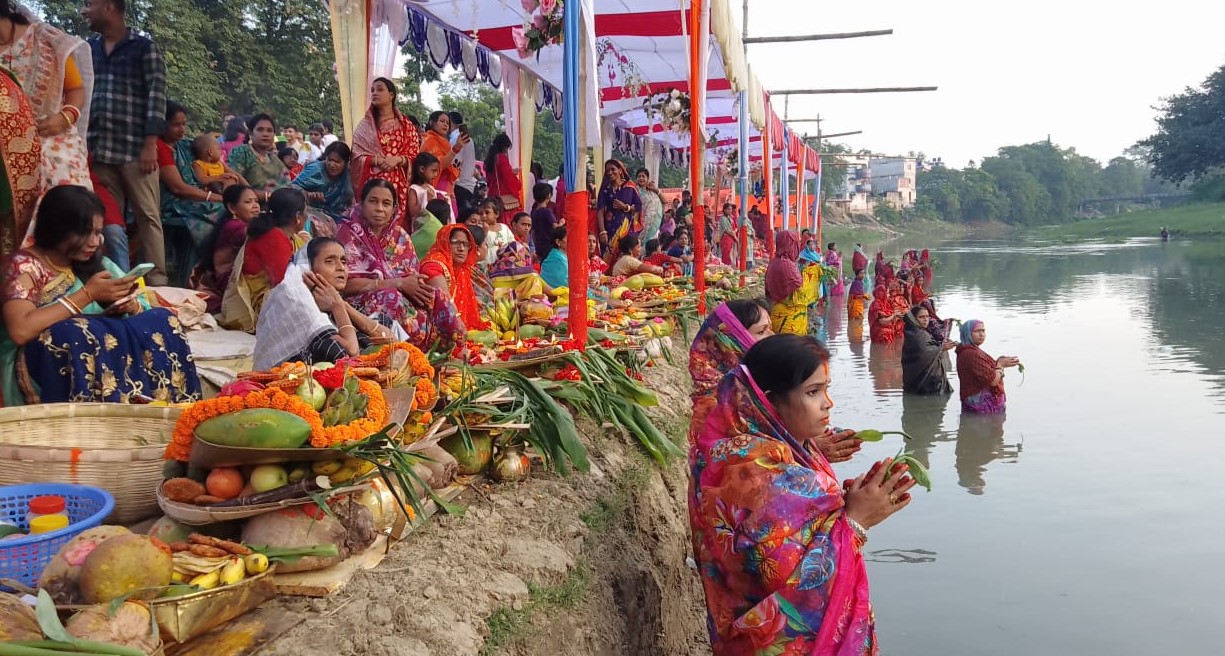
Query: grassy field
[1201, 220]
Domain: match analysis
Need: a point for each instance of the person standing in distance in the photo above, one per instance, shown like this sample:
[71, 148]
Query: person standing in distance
[127, 114]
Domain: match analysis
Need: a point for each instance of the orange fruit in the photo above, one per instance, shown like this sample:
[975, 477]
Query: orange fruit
[224, 482]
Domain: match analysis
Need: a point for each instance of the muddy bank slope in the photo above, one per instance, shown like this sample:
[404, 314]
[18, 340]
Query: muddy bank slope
[584, 565]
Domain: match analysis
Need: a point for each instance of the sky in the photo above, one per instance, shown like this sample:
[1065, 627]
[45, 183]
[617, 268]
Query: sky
[1086, 72]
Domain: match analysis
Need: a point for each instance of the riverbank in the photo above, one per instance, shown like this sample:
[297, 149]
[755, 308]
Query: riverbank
[1206, 220]
[846, 232]
[583, 565]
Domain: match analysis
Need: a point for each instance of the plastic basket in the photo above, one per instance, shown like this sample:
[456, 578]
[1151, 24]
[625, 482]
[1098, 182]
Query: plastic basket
[23, 559]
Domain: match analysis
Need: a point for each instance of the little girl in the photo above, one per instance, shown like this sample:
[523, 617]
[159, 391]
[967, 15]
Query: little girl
[289, 155]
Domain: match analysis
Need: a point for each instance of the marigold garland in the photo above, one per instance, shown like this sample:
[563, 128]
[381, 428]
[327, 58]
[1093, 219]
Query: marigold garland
[426, 395]
[375, 420]
[417, 361]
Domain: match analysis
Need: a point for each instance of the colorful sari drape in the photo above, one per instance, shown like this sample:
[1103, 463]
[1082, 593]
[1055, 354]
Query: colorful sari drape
[20, 161]
[395, 137]
[91, 357]
[790, 292]
[856, 300]
[717, 349]
[976, 376]
[440, 146]
[199, 217]
[439, 262]
[515, 271]
[385, 256]
[833, 259]
[337, 192]
[780, 566]
[265, 173]
[859, 261]
[881, 307]
[39, 60]
[620, 224]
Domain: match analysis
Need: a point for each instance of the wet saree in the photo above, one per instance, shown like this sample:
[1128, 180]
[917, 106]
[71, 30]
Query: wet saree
[92, 357]
[833, 259]
[780, 566]
[924, 371]
[717, 349]
[880, 308]
[976, 377]
[856, 301]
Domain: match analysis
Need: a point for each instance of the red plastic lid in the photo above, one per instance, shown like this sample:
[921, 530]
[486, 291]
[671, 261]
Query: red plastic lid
[47, 505]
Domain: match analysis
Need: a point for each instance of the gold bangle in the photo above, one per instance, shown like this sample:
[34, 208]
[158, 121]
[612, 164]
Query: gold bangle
[73, 310]
[349, 326]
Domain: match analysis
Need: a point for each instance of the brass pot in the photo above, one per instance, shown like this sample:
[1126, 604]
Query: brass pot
[511, 465]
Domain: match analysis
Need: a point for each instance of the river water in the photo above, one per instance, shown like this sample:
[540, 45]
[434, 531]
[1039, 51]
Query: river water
[1090, 519]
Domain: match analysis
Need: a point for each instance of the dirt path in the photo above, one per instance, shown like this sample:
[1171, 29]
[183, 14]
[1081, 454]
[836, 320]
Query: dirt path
[585, 565]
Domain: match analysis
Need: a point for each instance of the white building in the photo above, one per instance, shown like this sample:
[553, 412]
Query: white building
[854, 195]
[893, 180]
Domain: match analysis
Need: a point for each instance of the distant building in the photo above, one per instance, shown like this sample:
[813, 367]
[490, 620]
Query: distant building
[893, 180]
[854, 195]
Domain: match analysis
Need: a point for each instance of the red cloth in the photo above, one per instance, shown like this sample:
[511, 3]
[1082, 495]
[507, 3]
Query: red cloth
[783, 277]
[504, 182]
[165, 156]
[369, 142]
[270, 253]
[881, 307]
[727, 249]
[439, 262]
[113, 214]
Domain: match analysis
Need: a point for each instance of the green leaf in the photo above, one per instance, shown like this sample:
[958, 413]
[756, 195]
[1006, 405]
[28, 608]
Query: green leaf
[49, 619]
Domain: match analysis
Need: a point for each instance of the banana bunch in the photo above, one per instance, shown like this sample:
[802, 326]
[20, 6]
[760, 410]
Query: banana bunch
[344, 405]
[208, 573]
[504, 315]
[342, 471]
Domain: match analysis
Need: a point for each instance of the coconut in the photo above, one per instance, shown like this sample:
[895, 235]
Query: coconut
[123, 564]
[62, 575]
[130, 626]
[17, 620]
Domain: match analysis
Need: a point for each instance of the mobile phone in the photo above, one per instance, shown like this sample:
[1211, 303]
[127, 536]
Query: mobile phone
[139, 271]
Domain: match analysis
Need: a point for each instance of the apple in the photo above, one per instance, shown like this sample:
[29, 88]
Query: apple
[268, 477]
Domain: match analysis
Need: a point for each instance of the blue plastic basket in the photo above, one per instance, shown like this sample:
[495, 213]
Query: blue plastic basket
[23, 559]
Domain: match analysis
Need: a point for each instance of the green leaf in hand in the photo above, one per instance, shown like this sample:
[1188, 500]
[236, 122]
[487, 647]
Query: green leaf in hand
[872, 435]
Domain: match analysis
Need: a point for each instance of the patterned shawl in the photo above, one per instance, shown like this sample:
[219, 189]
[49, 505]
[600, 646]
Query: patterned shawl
[716, 350]
[780, 565]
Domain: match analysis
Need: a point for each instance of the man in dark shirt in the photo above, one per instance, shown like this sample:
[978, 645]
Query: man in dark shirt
[127, 115]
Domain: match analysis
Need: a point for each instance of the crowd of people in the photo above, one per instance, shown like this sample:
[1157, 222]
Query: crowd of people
[405, 221]
[777, 537]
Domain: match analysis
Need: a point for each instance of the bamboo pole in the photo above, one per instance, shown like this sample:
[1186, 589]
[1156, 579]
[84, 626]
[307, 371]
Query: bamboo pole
[814, 92]
[575, 178]
[811, 37]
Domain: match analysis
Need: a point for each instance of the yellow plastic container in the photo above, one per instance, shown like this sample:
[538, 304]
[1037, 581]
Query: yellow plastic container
[47, 524]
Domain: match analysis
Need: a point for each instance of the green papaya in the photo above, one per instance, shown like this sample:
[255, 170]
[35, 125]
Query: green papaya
[483, 337]
[651, 280]
[530, 330]
[635, 282]
[263, 428]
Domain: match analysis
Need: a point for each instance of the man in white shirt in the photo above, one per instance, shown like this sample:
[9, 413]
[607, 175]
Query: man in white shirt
[307, 152]
[465, 185]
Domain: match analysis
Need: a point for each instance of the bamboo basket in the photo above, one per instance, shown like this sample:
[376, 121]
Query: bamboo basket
[116, 447]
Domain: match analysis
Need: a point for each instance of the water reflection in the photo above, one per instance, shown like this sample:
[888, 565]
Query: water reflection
[980, 441]
[923, 421]
[885, 365]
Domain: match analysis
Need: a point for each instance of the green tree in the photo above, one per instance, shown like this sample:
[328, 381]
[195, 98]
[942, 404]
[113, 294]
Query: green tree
[1190, 138]
[234, 56]
[1028, 202]
[1122, 177]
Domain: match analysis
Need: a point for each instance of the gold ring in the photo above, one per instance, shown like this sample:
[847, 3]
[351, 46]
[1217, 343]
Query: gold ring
[892, 499]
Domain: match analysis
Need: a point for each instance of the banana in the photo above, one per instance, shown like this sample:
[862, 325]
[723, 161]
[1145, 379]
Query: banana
[343, 475]
[256, 563]
[326, 467]
[207, 581]
[234, 571]
[177, 577]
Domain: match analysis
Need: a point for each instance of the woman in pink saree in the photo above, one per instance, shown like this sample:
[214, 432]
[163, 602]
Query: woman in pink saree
[776, 537]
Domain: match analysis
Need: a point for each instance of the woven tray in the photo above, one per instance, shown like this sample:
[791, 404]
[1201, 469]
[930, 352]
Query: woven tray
[115, 447]
[191, 515]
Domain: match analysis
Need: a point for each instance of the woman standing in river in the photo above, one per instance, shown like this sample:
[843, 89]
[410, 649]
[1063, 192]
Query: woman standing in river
[776, 537]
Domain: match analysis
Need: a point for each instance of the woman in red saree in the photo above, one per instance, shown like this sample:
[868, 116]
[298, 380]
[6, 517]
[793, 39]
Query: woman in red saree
[981, 377]
[437, 142]
[504, 183]
[777, 537]
[882, 317]
[384, 144]
[448, 266]
[20, 158]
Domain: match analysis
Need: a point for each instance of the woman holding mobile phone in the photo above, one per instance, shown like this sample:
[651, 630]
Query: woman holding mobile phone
[68, 310]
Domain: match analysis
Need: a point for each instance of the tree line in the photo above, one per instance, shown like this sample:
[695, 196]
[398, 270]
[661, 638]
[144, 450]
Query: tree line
[1189, 146]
